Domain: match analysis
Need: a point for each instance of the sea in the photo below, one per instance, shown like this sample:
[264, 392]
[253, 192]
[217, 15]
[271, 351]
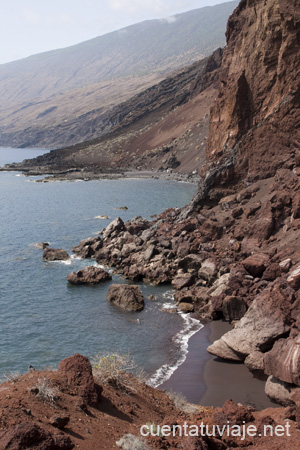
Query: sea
[43, 318]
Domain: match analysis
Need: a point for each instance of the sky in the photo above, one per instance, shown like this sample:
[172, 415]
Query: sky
[35, 26]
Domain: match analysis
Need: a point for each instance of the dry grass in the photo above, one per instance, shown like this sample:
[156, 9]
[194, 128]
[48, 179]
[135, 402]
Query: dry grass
[45, 392]
[131, 442]
[112, 368]
[181, 403]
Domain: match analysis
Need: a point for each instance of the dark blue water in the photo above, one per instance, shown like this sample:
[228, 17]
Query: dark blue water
[43, 319]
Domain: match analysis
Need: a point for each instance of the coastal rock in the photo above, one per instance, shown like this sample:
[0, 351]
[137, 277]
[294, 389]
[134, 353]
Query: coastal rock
[79, 375]
[220, 285]
[186, 307]
[28, 435]
[115, 226]
[294, 278]
[279, 391]
[89, 275]
[126, 296]
[42, 245]
[285, 265]
[182, 280]
[255, 361]
[53, 254]
[220, 349]
[283, 361]
[256, 264]
[265, 321]
[88, 247]
[234, 308]
[208, 270]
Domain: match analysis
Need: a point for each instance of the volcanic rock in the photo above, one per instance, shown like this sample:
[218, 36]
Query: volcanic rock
[128, 297]
[115, 226]
[28, 435]
[88, 247]
[279, 391]
[89, 275]
[256, 264]
[78, 372]
[283, 361]
[265, 321]
[53, 254]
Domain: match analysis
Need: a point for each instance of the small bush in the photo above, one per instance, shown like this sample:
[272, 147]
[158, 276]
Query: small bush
[45, 392]
[181, 403]
[11, 376]
[112, 368]
[131, 442]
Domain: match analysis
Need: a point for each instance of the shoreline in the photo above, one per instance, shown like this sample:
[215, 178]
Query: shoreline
[209, 381]
[91, 176]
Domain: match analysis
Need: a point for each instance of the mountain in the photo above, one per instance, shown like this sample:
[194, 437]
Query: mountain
[163, 127]
[41, 93]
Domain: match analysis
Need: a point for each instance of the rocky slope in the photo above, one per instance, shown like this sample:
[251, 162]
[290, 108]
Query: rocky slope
[45, 97]
[164, 127]
[67, 408]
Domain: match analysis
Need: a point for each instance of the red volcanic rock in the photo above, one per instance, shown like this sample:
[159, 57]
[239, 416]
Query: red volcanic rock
[236, 413]
[256, 264]
[28, 435]
[283, 361]
[89, 275]
[126, 296]
[78, 372]
[54, 254]
[258, 92]
[272, 272]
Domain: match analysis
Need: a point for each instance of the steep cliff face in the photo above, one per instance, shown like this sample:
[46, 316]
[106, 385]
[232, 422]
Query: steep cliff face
[256, 116]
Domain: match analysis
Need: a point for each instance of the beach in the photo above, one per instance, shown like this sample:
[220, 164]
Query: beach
[209, 381]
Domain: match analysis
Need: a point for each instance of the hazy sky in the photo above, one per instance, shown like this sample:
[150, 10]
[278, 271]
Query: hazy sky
[34, 26]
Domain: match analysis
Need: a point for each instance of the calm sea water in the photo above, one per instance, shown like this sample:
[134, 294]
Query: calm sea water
[43, 319]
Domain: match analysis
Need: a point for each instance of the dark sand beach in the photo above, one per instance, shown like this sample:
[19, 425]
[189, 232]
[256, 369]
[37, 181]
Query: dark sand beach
[209, 381]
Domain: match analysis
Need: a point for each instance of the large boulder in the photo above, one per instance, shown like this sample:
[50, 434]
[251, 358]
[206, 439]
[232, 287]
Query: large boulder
[266, 320]
[283, 361]
[55, 254]
[183, 280]
[256, 264]
[89, 275]
[279, 391]
[78, 372]
[125, 296]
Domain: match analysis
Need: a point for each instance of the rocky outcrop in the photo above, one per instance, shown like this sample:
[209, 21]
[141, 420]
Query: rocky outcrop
[53, 254]
[125, 296]
[29, 435]
[89, 275]
[77, 371]
[267, 319]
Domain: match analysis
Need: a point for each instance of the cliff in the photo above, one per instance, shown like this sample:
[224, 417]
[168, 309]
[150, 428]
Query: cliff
[256, 115]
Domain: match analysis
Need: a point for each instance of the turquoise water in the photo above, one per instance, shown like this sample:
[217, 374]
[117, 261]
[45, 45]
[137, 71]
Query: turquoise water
[43, 319]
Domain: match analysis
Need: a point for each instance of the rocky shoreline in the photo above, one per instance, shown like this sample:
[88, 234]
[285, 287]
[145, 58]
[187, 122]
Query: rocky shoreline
[82, 175]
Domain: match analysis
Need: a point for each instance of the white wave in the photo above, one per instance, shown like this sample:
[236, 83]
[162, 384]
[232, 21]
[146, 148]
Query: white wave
[191, 326]
[168, 305]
